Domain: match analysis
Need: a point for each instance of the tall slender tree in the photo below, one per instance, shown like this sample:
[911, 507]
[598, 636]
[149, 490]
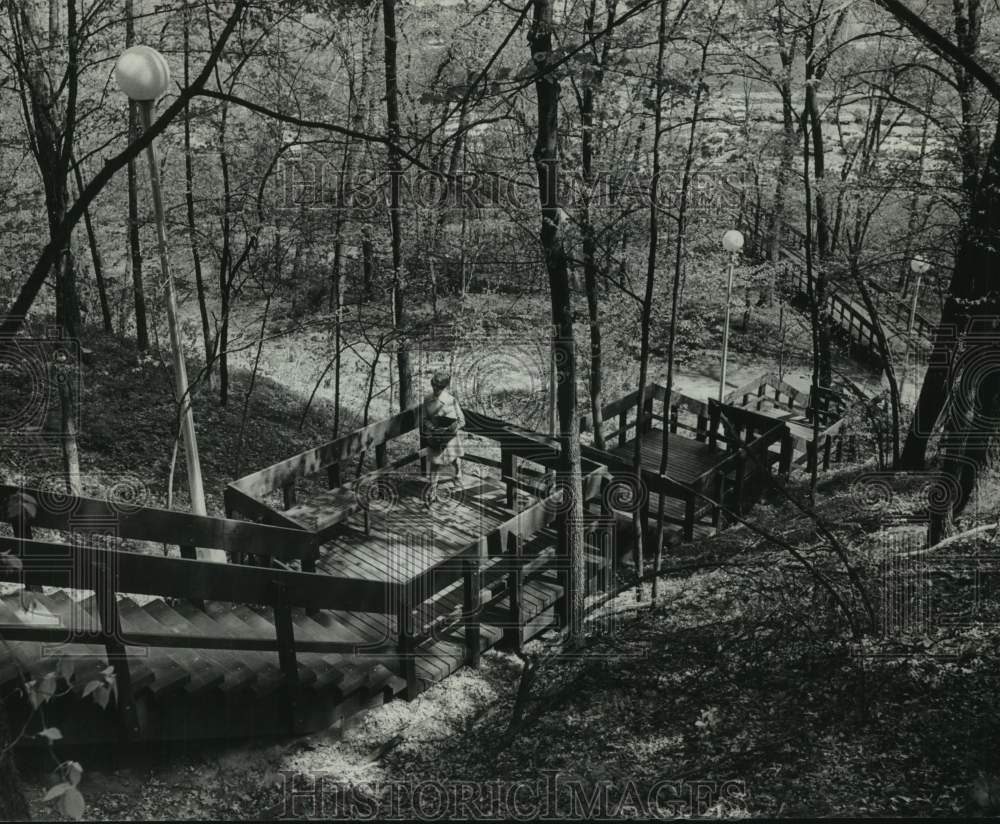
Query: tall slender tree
[546, 157]
[395, 167]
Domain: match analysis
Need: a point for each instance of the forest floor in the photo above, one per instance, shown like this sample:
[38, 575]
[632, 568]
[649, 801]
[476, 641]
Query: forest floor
[740, 693]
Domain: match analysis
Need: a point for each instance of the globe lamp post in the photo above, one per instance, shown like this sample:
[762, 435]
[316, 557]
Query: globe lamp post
[732, 242]
[142, 73]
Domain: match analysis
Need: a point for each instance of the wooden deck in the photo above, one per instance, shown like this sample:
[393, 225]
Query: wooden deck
[405, 536]
[687, 459]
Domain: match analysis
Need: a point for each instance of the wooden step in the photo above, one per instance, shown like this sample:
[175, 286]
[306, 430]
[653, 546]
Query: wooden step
[381, 679]
[375, 670]
[222, 622]
[238, 675]
[440, 656]
[258, 625]
[168, 677]
[89, 660]
[66, 606]
[355, 668]
[204, 673]
[348, 675]
[371, 673]
[23, 657]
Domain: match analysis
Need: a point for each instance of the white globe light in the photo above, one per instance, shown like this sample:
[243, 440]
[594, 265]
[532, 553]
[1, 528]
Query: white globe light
[919, 266]
[142, 73]
[732, 241]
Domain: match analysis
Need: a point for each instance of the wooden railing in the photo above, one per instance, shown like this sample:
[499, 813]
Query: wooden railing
[686, 414]
[491, 568]
[517, 447]
[701, 498]
[745, 476]
[852, 321]
[856, 324]
[27, 507]
[831, 410]
[83, 563]
[899, 313]
[247, 496]
[769, 390]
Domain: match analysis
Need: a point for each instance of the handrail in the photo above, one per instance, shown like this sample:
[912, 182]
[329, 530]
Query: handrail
[900, 311]
[311, 461]
[65, 512]
[50, 563]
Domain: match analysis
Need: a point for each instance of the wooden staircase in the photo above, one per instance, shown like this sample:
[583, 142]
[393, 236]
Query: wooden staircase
[196, 649]
[849, 314]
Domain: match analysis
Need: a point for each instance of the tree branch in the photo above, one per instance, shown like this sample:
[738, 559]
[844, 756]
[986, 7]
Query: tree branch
[14, 319]
[941, 44]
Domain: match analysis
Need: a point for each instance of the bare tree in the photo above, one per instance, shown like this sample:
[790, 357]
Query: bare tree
[546, 157]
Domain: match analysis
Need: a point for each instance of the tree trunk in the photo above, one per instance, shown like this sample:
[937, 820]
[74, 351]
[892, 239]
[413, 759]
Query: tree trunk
[395, 217]
[976, 263]
[95, 256]
[679, 253]
[589, 234]
[819, 170]
[776, 225]
[816, 297]
[67, 415]
[134, 243]
[546, 157]
[199, 278]
[367, 262]
[225, 266]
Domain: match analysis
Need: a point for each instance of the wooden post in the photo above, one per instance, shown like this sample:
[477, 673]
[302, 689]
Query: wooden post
[288, 494]
[515, 586]
[507, 471]
[287, 659]
[406, 645]
[720, 487]
[701, 428]
[471, 585]
[333, 476]
[111, 628]
[740, 470]
[622, 424]
[826, 453]
[20, 511]
[787, 451]
[689, 518]
[380, 456]
[647, 411]
[674, 419]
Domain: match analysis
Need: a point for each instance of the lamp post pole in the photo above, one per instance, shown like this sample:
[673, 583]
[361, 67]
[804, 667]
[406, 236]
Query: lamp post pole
[732, 242]
[143, 74]
[919, 267]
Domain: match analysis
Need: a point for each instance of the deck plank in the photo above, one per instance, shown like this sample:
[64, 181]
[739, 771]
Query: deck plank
[687, 459]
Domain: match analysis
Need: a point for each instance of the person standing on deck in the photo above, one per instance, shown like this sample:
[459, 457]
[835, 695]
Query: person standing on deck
[441, 422]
